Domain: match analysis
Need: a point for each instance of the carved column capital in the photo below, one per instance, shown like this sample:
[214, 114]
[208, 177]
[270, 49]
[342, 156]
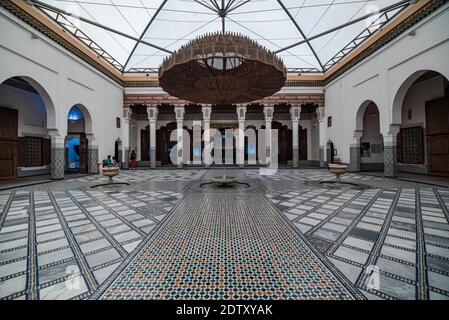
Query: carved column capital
[179, 113]
[152, 113]
[207, 110]
[268, 112]
[320, 112]
[295, 113]
[127, 113]
[241, 113]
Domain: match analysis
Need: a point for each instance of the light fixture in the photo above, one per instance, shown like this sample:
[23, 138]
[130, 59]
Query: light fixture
[222, 68]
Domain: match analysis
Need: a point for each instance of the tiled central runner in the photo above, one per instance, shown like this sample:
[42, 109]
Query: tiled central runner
[227, 245]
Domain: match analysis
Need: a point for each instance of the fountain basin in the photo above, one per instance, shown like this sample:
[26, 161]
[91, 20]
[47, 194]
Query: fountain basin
[224, 180]
[338, 170]
[110, 172]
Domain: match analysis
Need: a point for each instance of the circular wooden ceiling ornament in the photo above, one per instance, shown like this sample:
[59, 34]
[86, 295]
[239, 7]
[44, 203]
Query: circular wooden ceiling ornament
[222, 69]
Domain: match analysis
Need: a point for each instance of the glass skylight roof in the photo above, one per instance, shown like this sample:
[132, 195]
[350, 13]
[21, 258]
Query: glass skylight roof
[168, 24]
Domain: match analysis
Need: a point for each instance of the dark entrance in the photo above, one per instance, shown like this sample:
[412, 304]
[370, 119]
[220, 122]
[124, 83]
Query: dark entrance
[8, 143]
[284, 142]
[437, 131]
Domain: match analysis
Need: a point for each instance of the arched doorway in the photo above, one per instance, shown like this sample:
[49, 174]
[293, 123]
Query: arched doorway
[371, 141]
[76, 142]
[27, 113]
[421, 108]
[367, 152]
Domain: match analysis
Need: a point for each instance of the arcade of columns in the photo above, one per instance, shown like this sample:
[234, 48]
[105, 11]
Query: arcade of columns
[268, 111]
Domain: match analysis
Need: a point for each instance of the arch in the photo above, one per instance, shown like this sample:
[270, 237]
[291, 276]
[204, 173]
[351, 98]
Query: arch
[420, 111]
[402, 91]
[366, 154]
[86, 116]
[361, 113]
[48, 102]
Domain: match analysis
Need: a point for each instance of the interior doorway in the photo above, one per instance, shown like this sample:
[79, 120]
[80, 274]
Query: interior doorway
[76, 143]
[421, 107]
[437, 136]
[8, 143]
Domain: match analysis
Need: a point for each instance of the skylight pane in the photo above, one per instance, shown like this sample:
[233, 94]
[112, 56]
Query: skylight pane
[179, 21]
[300, 57]
[103, 12]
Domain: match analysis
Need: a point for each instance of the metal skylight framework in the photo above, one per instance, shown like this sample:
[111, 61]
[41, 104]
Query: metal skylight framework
[135, 36]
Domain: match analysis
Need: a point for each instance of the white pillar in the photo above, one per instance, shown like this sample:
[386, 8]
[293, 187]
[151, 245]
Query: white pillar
[207, 110]
[179, 112]
[241, 113]
[152, 117]
[390, 151]
[268, 112]
[354, 152]
[320, 112]
[295, 113]
[92, 154]
[127, 112]
[57, 154]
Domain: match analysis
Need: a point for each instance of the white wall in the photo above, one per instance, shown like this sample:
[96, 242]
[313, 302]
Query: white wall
[66, 79]
[379, 77]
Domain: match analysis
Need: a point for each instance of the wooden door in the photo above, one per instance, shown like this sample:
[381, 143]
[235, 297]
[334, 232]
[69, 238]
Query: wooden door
[8, 143]
[144, 143]
[285, 137]
[302, 144]
[437, 130]
[83, 153]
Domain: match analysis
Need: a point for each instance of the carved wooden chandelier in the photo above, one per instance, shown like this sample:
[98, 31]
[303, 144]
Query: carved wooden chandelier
[222, 68]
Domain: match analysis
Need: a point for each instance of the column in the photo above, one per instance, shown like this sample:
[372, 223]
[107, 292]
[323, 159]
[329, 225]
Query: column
[179, 112]
[207, 110]
[57, 155]
[320, 112]
[268, 112]
[390, 152]
[127, 112]
[152, 118]
[354, 152]
[241, 114]
[92, 154]
[295, 113]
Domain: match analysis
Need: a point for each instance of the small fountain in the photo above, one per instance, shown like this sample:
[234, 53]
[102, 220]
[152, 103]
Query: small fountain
[224, 181]
[338, 170]
[110, 172]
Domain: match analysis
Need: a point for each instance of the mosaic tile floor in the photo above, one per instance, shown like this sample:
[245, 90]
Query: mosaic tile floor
[402, 233]
[280, 238]
[50, 237]
[226, 246]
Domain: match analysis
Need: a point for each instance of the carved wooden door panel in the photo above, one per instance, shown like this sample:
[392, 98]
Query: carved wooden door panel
[284, 143]
[437, 129]
[83, 153]
[144, 143]
[8, 143]
[302, 144]
[7, 159]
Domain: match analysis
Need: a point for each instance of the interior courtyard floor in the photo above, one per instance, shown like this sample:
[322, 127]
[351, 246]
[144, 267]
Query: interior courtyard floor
[164, 236]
